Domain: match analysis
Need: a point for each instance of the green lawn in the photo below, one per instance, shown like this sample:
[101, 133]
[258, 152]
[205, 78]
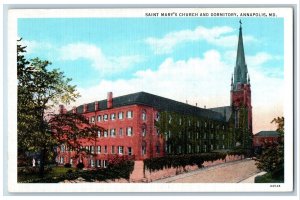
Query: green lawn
[267, 178]
[55, 172]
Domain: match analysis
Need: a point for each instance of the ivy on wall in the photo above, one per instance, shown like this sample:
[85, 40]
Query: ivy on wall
[153, 164]
[188, 134]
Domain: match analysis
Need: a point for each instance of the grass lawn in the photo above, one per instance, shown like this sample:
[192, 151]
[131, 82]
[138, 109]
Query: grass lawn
[267, 178]
[56, 171]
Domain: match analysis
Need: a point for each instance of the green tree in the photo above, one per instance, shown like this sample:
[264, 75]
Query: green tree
[39, 89]
[272, 158]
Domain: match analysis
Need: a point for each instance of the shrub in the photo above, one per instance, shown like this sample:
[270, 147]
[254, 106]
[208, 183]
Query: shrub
[175, 161]
[80, 165]
[67, 165]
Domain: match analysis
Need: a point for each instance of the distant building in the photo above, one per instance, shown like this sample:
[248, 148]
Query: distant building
[143, 125]
[263, 137]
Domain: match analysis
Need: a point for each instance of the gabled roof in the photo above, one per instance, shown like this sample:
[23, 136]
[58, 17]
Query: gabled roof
[226, 111]
[158, 102]
[267, 134]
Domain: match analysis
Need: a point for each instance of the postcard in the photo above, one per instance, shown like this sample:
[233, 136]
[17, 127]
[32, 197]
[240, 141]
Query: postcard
[150, 100]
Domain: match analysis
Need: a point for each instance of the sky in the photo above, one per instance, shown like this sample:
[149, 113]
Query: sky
[185, 59]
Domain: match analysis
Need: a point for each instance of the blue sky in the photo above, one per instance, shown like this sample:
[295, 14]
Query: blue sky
[180, 58]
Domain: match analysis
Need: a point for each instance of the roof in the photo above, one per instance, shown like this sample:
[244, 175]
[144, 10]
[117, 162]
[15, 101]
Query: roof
[226, 111]
[158, 102]
[267, 134]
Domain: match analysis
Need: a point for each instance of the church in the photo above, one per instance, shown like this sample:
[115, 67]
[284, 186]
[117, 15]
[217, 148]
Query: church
[143, 125]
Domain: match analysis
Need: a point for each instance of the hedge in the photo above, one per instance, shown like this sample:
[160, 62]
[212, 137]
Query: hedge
[175, 161]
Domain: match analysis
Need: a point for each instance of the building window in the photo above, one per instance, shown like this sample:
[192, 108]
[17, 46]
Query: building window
[105, 163]
[198, 148]
[99, 134]
[105, 149]
[223, 146]
[98, 149]
[205, 148]
[144, 150]
[211, 147]
[144, 115]
[92, 149]
[189, 148]
[129, 114]
[170, 119]
[157, 148]
[93, 119]
[223, 136]
[88, 119]
[204, 136]
[120, 132]
[92, 163]
[113, 149]
[129, 131]
[120, 115]
[179, 149]
[120, 150]
[113, 132]
[98, 163]
[129, 150]
[143, 131]
[99, 118]
[105, 117]
[157, 116]
[113, 116]
[62, 148]
[105, 133]
[198, 124]
[62, 160]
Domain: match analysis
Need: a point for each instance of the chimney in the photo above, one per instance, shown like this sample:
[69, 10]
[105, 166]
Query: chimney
[96, 105]
[62, 109]
[85, 108]
[109, 100]
[74, 110]
[196, 104]
[204, 107]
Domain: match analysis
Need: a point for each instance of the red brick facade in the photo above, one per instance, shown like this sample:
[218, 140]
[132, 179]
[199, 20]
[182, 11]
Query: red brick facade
[129, 130]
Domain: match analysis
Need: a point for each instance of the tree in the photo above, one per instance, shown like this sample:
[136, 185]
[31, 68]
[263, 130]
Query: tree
[39, 89]
[272, 158]
[70, 128]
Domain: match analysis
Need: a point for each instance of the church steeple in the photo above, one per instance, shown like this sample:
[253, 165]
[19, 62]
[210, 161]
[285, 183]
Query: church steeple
[240, 70]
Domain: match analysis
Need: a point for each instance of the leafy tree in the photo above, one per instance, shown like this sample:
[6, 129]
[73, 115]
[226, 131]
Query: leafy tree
[39, 89]
[272, 158]
[71, 128]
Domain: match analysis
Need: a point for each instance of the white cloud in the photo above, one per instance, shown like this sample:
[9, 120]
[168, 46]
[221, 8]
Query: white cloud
[33, 47]
[205, 81]
[216, 36]
[98, 59]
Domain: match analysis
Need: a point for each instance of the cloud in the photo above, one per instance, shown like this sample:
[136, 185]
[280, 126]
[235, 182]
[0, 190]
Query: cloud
[98, 59]
[217, 36]
[34, 47]
[197, 80]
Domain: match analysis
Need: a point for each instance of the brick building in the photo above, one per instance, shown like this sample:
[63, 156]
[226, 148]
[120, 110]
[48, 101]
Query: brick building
[262, 137]
[144, 125]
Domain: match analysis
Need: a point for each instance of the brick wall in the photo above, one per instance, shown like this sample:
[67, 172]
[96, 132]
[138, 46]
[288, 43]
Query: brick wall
[138, 174]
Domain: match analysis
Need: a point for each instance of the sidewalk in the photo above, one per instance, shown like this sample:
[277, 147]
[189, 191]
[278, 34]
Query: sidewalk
[251, 178]
[231, 172]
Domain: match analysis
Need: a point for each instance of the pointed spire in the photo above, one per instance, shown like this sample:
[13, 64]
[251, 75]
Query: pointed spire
[240, 71]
